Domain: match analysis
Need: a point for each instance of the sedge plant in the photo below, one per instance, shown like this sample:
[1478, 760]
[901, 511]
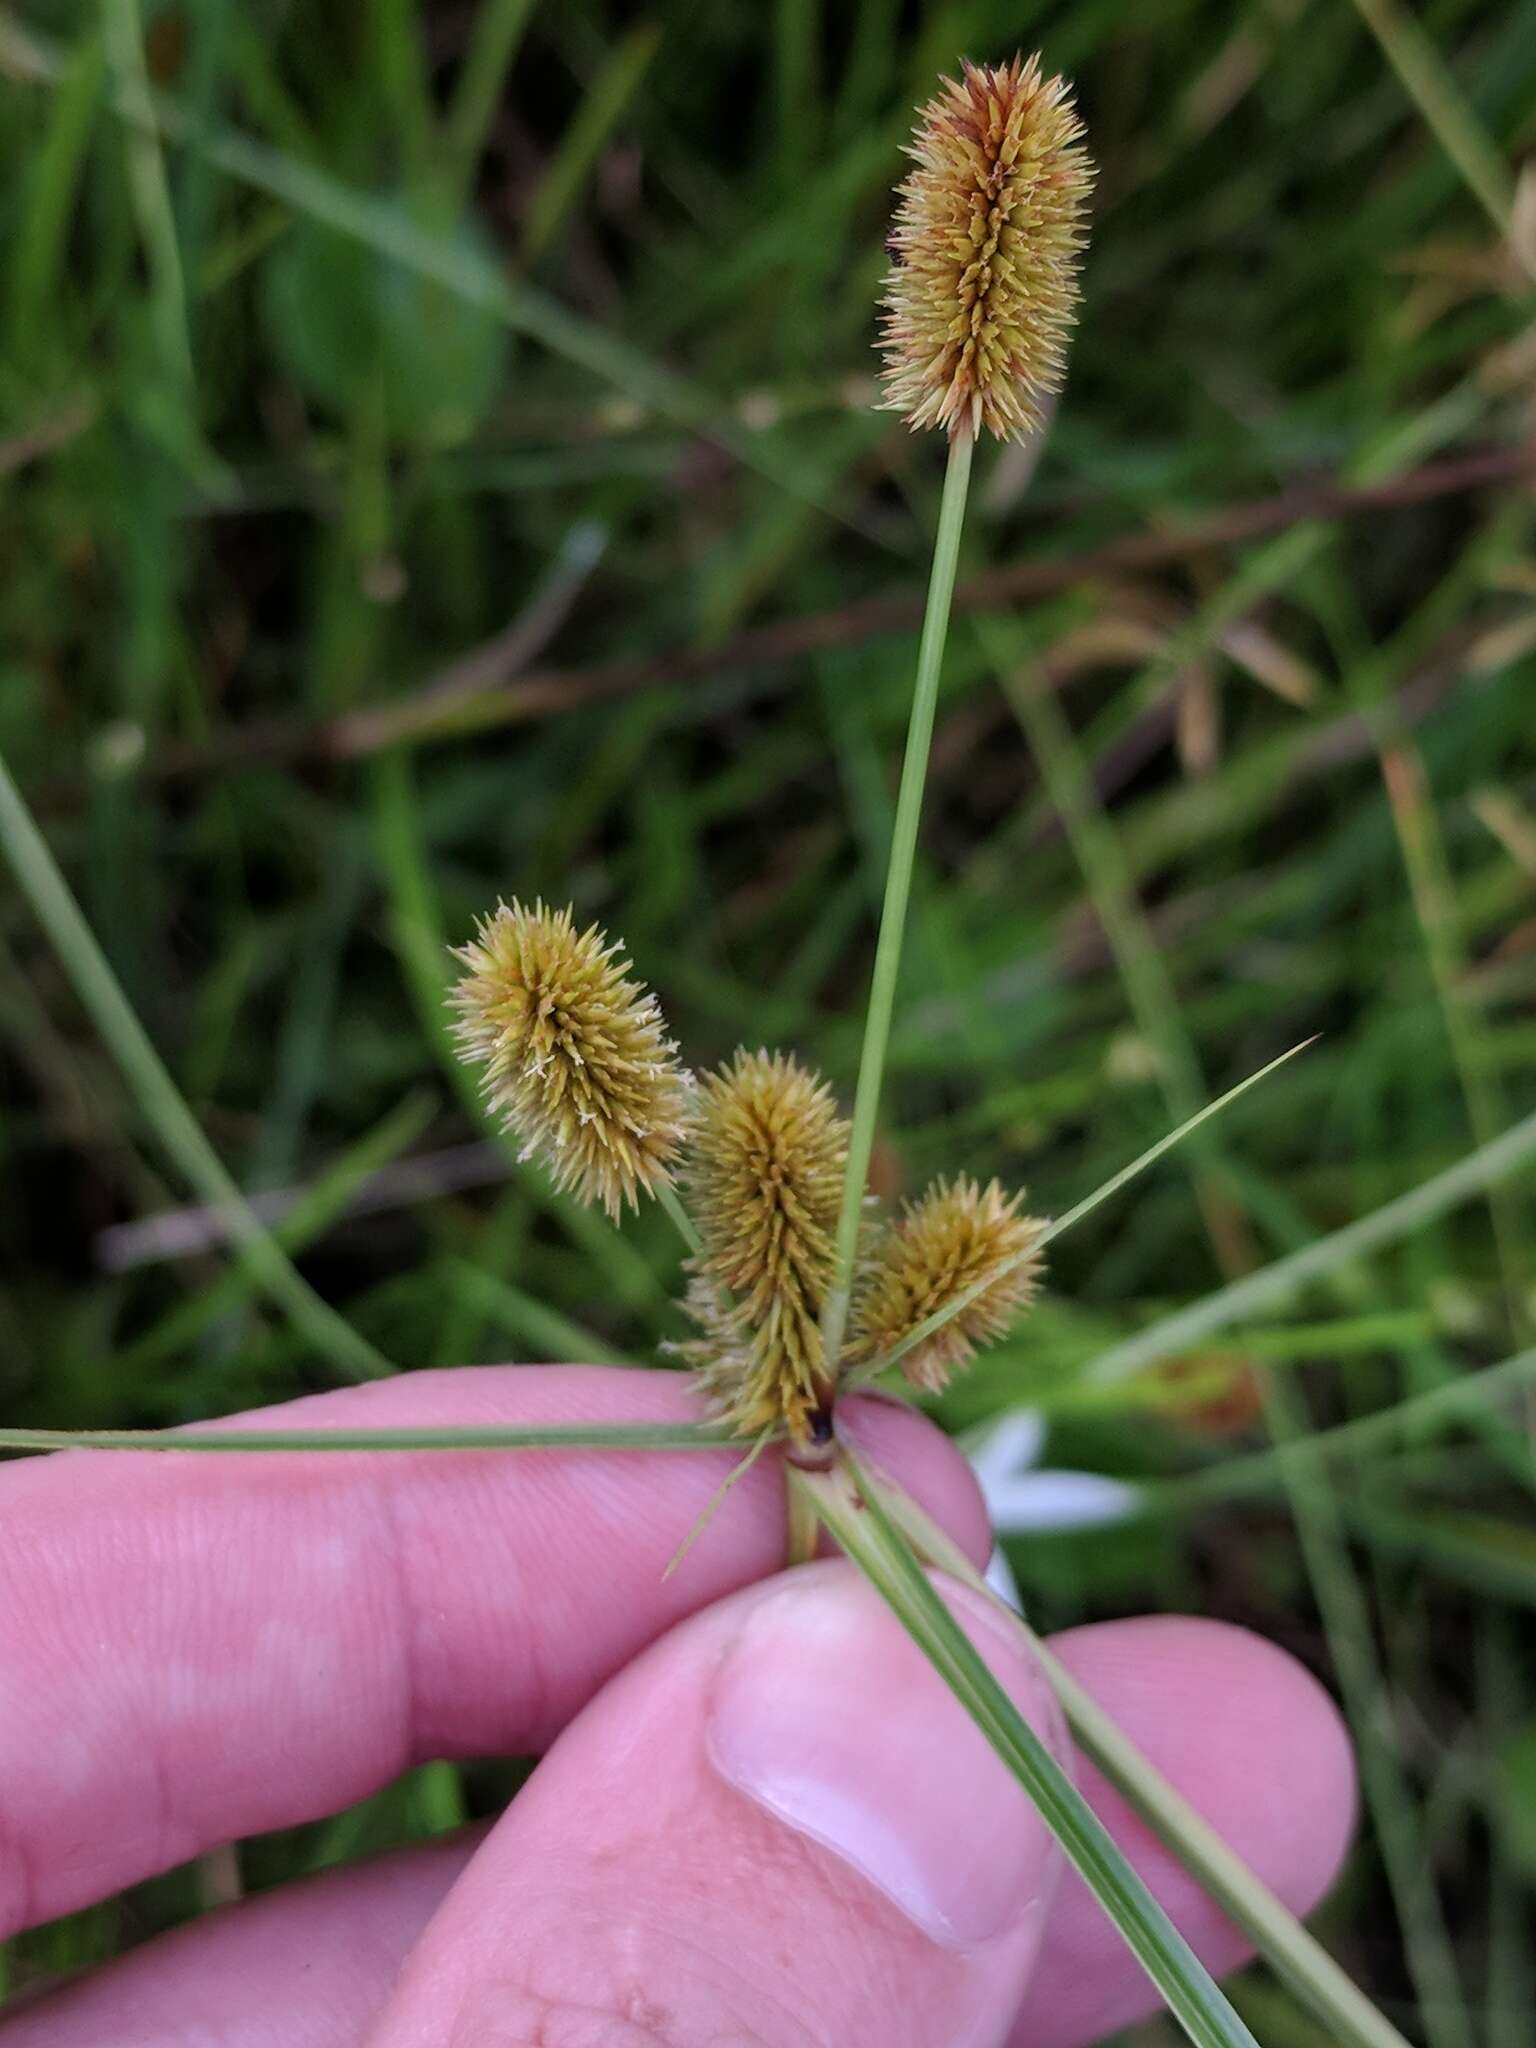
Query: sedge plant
[798, 1286]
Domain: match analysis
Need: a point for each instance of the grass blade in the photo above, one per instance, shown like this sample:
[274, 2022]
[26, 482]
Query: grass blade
[1433, 893]
[493, 44]
[1277, 1283]
[546, 1333]
[44, 204]
[1155, 1152]
[313, 1213]
[581, 145]
[1455, 126]
[855, 1516]
[151, 193]
[575, 1436]
[1402, 1827]
[1112, 1186]
[1294, 1955]
[1154, 1004]
[385, 228]
[1466, 1398]
[159, 1098]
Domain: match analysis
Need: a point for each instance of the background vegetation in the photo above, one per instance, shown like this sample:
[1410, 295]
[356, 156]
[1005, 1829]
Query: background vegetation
[544, 540]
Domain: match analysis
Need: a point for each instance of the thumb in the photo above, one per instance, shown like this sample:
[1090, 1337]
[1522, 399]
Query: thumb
[776, 1827]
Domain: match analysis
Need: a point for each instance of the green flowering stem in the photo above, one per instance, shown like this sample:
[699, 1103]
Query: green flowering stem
[1295, 1956]
[856, 1514]
[898, 888]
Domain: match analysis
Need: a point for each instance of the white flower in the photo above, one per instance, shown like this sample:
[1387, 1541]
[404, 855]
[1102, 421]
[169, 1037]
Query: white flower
[1024, 1498]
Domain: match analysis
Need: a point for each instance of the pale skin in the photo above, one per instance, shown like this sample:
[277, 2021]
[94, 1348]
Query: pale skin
[195, 1649]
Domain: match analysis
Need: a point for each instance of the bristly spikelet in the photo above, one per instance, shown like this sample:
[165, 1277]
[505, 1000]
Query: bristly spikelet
[763, 1175]
[988, 228]
[576, 1059]
[941, 1246]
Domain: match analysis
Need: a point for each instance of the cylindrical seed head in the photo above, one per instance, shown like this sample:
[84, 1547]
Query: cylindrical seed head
[575, 1058]
[943, 1245]
[988, 230]
[763, 1175]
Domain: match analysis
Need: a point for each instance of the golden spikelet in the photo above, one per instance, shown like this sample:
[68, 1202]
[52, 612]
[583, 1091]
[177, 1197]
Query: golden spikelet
[988, 228]
[576, 1059]
[763, 1176]
[939, 1248]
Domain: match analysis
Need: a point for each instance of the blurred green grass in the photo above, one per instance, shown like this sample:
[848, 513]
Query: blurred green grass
[454, 347]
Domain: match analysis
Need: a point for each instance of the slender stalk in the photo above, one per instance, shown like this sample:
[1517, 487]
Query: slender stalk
[161, 1101]
[1276, 1933]
[898, 888]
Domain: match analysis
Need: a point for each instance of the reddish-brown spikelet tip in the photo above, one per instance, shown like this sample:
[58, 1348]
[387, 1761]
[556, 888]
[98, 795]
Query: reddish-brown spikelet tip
[575, 1058]
[988, 230]
[957, 1237]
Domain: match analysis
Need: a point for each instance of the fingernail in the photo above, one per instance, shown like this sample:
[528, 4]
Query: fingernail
[828, 1715]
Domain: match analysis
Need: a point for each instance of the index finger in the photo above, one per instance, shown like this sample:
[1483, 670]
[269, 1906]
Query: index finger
[195, 1649]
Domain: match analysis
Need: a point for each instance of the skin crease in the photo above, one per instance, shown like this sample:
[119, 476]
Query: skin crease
[278, 1635]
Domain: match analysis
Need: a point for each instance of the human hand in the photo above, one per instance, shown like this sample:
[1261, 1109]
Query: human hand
[764, 1820]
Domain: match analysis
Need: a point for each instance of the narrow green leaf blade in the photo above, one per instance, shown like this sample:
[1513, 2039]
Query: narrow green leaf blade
[1272, 1285]
[931, 1324]
[861, 1525]
[1294, 1955]
[163, 1106]
[1155, 1152]
[599, 1436]
[544, 1332]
